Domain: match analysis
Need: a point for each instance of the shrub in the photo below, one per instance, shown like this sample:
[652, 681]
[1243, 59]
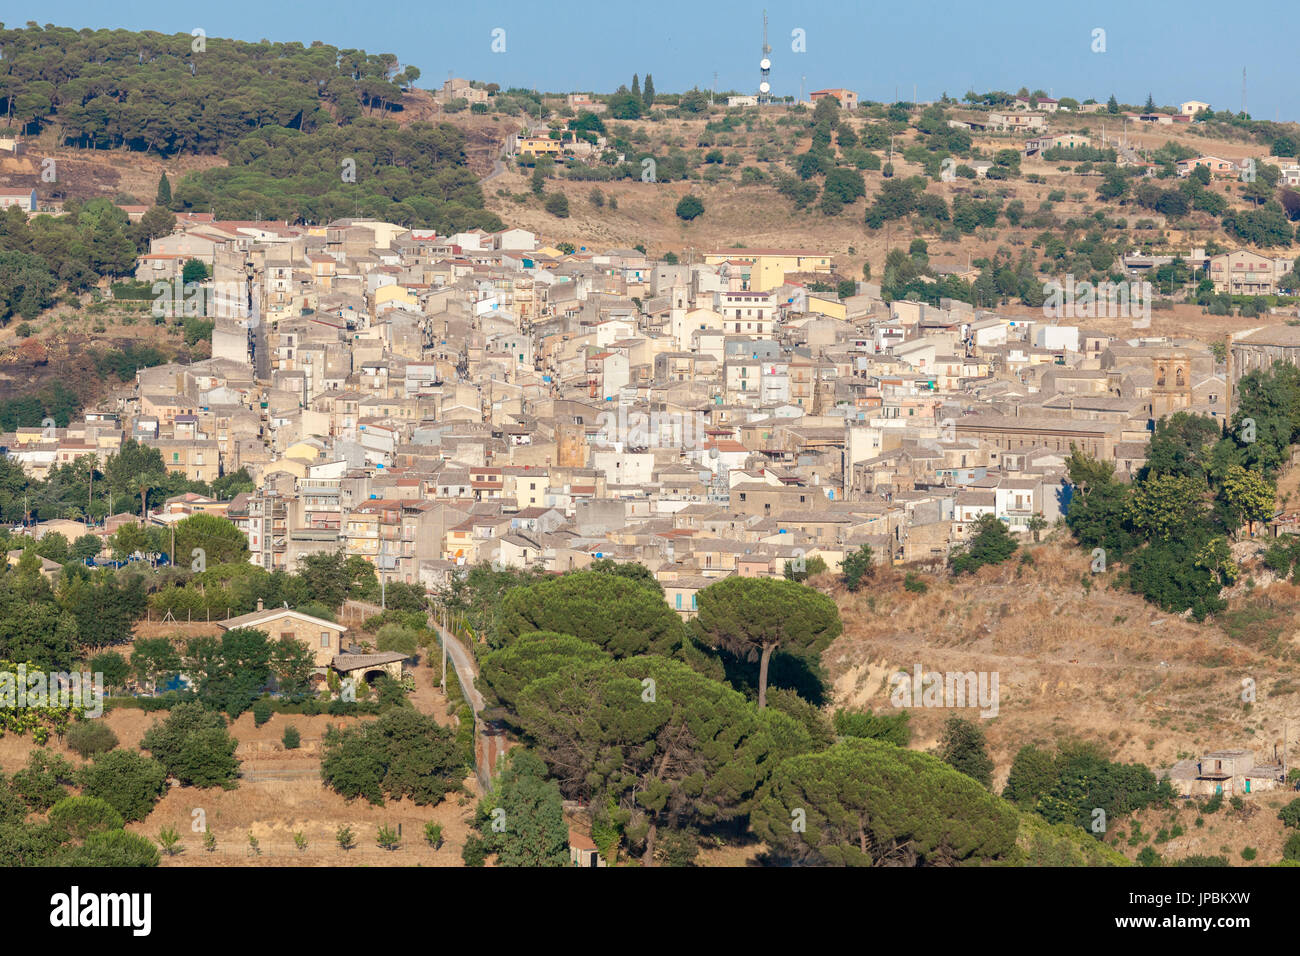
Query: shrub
[991, 544]
[291, 739]
[894, 728]
[261, 711]
[78, 817]
[402, 754]
[169, 840]
[474, 852]
[1290, 814]
[129, 782]
[689, 207]
[44, 781]
[194, 745]
[345, 838]
[433, 834]
[115, 848]
[387, 837]
[1291, 850]
[86, 738]
[857, 567]
[112, 665]
[557, 204]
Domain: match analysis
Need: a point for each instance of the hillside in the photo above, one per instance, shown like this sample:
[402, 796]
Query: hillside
[735, 160]
[1092, 663]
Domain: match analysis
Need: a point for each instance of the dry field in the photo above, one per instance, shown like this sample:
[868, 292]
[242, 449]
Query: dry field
[757, 216]
[1096, 664]
[281, 794]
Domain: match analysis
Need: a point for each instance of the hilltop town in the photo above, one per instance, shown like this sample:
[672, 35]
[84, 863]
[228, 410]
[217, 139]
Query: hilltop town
[638, 471]
[431, 402]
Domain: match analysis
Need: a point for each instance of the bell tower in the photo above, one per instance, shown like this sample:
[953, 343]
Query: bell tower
[1171, 387]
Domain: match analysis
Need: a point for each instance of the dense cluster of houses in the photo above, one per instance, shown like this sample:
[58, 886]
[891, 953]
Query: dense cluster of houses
[428, 402]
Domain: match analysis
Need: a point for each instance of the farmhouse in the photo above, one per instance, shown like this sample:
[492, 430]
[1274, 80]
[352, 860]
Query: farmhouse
[325, 638]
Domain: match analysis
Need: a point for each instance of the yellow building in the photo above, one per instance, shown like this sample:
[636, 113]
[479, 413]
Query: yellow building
[769, 267]
[538, 146]
[529, 487]
[831, 308]
[398, 296]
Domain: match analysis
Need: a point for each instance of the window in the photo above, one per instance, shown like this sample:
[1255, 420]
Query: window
[679, 602]
[324, 638]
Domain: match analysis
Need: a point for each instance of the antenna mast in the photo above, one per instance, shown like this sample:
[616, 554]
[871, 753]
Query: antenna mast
[765, 68]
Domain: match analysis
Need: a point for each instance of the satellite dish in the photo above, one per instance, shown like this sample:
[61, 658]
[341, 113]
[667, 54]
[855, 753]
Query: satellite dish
[765, 87]
[765, 64]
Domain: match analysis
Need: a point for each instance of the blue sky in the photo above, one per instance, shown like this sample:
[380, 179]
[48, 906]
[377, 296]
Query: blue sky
[1190, 50]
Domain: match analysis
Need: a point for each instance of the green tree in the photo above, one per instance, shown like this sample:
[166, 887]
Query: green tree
[619, 615]
[892, 728]
[128, 781]
[218, 539]
[164, 197]
[193, 744]
[857, 567]
[401, 754]
[44, 781]
[1249, 496]
[1290, 814]
[154, 660]
[624, 105]
[1164, 506]
[1033, 774]
[557, 204]
[194, 270]
[505, 672]
[79, 817]
[964, 748]
[752, 617]
[990, 543]
[89, 737]
[869, 803]
[689, 207]
[530, 808]
[666, 746]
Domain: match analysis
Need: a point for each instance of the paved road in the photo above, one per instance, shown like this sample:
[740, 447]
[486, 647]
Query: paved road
[489, 746]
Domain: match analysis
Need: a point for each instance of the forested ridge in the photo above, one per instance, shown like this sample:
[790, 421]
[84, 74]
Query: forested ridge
[306, 130]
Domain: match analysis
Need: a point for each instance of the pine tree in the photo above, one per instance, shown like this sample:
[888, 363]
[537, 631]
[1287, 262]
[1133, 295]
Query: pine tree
[1112, 105]
[648, 95]
[636, 86]
[164, 191]
[1151, 104]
